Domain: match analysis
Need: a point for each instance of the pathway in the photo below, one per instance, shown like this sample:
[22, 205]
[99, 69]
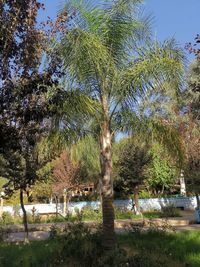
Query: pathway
[41, 231]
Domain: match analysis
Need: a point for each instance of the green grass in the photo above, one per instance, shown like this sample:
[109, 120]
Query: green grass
[152, 214]
[153, 249]
[40, 253]
[164, 249]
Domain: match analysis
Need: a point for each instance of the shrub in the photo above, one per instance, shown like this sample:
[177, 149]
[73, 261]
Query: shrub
[92, 214]
[124, 213]
[53, 233]
[3, 234]
[78, 214]
[6, 218]
[80, 243]
[170, 211]
[145, 194]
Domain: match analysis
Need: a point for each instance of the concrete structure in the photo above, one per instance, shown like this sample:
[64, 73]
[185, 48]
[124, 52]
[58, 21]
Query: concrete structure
[145, 205]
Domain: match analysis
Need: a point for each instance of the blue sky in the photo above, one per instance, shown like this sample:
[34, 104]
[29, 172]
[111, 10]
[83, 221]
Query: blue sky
[172, 18]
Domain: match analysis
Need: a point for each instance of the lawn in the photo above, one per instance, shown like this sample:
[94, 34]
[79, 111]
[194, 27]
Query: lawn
[150, 249]
[164, 249]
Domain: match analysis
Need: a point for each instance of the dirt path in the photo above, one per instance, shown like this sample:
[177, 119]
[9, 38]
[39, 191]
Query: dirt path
[33, 236]
[42, 235]
[41, 231]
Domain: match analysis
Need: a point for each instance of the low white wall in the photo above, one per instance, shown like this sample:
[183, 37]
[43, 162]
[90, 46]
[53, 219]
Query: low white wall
[145, 204]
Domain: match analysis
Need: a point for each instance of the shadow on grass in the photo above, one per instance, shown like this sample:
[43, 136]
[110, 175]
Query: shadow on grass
[148, 249]
[37, 253]
[165, 249]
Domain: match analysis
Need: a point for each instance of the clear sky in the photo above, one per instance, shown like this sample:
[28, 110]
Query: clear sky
[177, 18]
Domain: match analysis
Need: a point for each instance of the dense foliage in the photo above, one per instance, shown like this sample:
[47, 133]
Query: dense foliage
[162, 172]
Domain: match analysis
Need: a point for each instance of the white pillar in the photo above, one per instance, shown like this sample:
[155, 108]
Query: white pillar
[1, 206]
[182, 184]
[64, 203]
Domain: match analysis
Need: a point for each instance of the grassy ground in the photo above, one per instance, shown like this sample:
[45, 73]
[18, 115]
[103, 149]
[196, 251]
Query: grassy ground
[151, 249]
[164, 249]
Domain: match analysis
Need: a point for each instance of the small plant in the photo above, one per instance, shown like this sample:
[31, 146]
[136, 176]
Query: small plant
[16, 210]
[37, 218]
[79, 214]
[33, 213]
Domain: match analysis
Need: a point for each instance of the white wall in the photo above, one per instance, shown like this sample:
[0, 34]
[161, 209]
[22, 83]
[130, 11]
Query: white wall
[145, 204]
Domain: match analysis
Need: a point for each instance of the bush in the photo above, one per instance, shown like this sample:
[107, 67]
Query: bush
[145, 194]
[6, 218]
[170, 211]
[79, 214]
[82, 247]
[90, 214]
[124, 213]
[3, 234]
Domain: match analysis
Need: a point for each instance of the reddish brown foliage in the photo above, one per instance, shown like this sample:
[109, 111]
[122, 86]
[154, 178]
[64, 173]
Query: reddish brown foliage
[193, 48]
[66, 173]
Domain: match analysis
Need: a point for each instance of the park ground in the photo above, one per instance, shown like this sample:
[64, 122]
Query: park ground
[150, 249]
[138, 246]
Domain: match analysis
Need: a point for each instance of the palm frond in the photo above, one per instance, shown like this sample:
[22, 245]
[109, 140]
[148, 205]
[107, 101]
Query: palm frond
[84, 14]
[155, 67]
[170, 138]
[155, 129]
[124, 21]
[86, 58]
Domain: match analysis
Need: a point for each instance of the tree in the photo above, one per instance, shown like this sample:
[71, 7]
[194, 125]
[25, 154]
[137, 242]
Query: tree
[86, 153]
[162, 171]
[65, 174]
[190, 134]
[132, 163]
[20, 53]
[24, 101]
[104, 58]
[193, 80]
[193, 92]
[194, 48]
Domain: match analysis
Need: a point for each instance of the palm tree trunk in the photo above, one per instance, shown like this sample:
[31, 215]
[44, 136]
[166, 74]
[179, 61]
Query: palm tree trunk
[106, 182]
[24, 214]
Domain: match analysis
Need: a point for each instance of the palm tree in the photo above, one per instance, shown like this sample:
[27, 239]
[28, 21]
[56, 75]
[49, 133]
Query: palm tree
[108, 55]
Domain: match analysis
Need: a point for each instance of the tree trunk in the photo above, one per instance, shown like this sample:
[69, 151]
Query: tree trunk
[56, 200]
[109, 240]
[162, 190]
[136, 200]
[24, 214]
[51, 199]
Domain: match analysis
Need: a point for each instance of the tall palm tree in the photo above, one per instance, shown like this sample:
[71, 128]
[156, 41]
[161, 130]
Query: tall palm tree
[108, 55]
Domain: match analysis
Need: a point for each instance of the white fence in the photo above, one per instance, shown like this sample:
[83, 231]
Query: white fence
[145, 204]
